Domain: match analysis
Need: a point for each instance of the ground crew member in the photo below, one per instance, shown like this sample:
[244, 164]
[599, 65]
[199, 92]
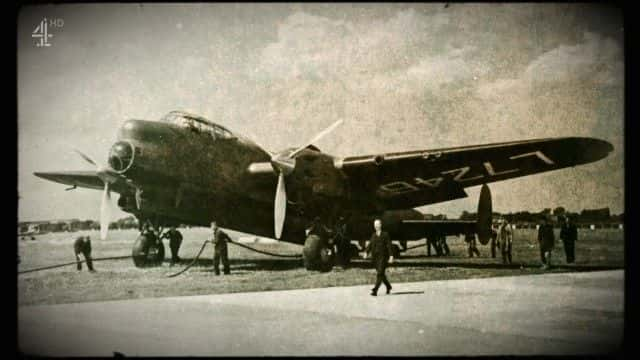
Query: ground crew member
[175, 240]
[569, 235]
[219, 240]
[432, 240]
[494, 239]
[444, 248]
[505, 240]
[82, 245]
[546, 238]
[470, 238]
[380, 248]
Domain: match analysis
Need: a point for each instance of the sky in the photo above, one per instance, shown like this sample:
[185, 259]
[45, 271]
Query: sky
[401, 76]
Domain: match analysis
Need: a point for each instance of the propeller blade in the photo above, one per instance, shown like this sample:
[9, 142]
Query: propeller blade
[319, 136]
[280, 206]
[84, 156]
[105, 208]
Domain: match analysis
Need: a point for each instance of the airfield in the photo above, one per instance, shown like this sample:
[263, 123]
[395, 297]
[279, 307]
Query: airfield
[452, 305]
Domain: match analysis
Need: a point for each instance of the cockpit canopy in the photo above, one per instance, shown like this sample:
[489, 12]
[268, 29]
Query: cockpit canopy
[197, 124]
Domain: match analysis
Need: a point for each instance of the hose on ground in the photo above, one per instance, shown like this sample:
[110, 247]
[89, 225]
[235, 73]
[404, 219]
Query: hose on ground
[74, 263]
[192, 262]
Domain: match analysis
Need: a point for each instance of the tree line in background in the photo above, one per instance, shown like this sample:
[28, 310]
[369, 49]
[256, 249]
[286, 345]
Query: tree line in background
[597, 217]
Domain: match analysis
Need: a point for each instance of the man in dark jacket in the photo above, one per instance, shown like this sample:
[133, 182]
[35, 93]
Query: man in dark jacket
[380, 249]
[546, 238]
[569, 235]
[175, 239]
[82, 245]
[219, 239]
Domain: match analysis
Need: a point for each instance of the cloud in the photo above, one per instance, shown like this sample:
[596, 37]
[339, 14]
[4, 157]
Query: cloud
[316, 47]
[598, 60]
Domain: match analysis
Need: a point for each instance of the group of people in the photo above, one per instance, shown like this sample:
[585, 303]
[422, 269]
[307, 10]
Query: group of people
[439, 244]
[379, 246]
[546, 239]
[219, 239]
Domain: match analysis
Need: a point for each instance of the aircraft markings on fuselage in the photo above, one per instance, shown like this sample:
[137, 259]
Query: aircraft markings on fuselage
[459, 175]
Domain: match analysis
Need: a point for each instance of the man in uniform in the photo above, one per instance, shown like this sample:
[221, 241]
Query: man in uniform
[505, 240]
[470, 239]
[175, 240]
[569, 235]
[546, 238]
[83, 245]
[381, 250]
[219, 239]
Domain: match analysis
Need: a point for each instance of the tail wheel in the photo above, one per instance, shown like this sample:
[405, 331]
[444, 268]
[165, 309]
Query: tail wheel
[316, 254]
[147, 252]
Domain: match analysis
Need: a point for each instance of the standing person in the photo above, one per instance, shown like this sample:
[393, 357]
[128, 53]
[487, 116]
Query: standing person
[505, 239]
[433, 241]
[546, 238]
[219, 239]
[82, 245]
[381, 250]
[494, 240]
[569, 235]
[443, 245]
[175, 240]
[470, 239]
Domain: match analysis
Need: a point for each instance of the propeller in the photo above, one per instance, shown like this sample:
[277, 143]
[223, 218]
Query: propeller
[108, 176]
[284, 163]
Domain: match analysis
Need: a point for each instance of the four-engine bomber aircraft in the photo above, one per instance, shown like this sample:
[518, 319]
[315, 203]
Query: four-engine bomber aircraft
[187, 170]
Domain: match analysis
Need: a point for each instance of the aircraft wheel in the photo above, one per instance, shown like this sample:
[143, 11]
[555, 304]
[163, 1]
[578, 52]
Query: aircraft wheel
[395, 251]
[146, 253]
[316, 254]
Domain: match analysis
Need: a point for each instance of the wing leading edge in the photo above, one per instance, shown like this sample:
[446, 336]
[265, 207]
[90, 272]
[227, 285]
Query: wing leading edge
[85, 179]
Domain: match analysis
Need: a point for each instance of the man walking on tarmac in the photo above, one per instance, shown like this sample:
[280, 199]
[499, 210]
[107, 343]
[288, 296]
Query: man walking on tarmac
[219, 240]
[381, 250]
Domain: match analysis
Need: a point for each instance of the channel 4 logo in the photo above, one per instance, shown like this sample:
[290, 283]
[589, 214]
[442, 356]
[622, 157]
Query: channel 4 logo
[42, 32]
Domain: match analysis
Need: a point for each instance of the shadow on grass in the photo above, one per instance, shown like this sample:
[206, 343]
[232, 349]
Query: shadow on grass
[247, 264]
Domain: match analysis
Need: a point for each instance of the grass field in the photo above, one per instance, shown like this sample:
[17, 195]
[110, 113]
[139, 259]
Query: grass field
[120, 279]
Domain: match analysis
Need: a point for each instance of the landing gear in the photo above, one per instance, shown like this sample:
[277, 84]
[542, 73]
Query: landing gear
[317, 254]
[147, 251]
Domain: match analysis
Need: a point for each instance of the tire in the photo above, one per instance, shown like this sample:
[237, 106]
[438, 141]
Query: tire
[146, 254]
[316, 254]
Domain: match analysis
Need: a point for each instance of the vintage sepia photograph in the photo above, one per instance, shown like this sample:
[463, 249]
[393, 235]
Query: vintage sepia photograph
[320, 179]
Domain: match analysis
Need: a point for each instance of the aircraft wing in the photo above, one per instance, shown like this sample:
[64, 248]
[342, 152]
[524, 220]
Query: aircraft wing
[85, 179]
[415, 178]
